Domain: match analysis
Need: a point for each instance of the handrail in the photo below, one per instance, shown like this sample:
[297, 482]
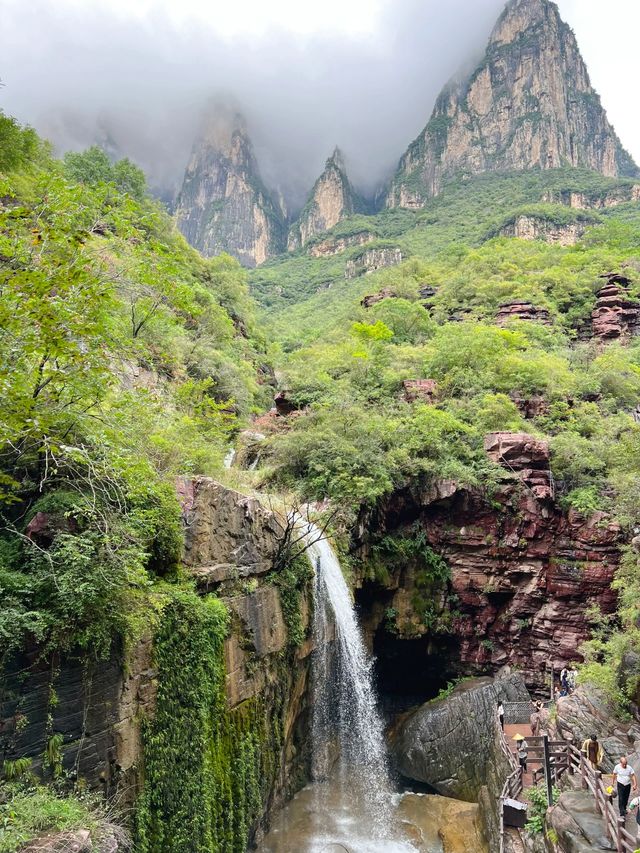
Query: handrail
[574, 762]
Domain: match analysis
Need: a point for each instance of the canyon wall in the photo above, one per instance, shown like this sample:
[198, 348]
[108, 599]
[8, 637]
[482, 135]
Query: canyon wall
[101, 713]
[523, 573]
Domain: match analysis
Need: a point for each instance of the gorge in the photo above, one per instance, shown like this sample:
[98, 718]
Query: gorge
[292, 497]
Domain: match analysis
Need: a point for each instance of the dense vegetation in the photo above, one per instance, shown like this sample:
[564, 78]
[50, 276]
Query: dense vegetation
[126, 360]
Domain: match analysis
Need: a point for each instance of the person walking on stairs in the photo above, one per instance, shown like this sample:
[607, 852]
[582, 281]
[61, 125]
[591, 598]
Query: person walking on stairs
[522, 750]
[624, 776]
[635, 804]
[501, 714]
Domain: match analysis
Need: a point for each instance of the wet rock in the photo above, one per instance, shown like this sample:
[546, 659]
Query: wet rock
[453, 744]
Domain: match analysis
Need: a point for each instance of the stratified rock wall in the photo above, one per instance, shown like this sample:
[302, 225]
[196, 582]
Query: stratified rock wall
[529, 104]
[231, 544]
[524, 572]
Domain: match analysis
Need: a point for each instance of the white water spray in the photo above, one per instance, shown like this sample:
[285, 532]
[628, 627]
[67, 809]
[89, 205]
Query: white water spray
[344, 700]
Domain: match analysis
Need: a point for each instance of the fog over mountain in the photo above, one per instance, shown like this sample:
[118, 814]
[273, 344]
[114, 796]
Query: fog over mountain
[136, 77]
[138, 83]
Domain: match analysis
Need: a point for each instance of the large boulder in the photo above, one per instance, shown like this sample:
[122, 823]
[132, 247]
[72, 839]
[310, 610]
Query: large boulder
[587, 712]
[576, 825]
[453, 744]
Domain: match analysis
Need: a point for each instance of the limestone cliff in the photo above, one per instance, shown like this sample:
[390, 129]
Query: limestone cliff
[331, 199]
[529, 104]
[223, 205]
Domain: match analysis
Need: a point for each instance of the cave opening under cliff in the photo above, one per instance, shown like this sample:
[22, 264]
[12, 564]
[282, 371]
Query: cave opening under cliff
[408, 671]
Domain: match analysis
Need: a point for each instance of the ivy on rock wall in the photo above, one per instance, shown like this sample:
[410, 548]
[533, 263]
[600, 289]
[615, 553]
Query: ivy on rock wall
[207, 768]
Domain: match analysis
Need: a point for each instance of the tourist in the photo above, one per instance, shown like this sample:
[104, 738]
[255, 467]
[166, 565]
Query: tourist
[564, 682]
[501, 714]
[635, 804]
[573, 678]
[593, 751]
[625, 777]
[522, 748]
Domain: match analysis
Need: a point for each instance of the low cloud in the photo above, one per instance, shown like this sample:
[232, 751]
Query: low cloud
[138, 83]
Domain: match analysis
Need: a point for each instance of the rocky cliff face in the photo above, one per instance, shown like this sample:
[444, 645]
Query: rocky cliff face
[331, 199]
[528, 105]
[223, 205]
[453, 745]
[536, 228]
[101, 708]
[523, 574]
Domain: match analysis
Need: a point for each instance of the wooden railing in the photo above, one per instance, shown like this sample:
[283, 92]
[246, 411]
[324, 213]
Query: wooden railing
[592, 780]
[565, 757]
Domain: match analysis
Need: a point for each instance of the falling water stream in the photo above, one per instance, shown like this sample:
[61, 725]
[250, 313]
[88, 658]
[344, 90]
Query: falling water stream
[350, 805]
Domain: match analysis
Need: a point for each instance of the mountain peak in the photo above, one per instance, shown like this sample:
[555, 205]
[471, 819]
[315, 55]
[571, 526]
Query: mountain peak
[529, 104]
[331, 199]
[336, 159]
[223, 205]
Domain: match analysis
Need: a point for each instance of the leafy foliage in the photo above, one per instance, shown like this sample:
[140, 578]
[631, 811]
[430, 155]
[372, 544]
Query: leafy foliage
[207, 769]
[125, 360]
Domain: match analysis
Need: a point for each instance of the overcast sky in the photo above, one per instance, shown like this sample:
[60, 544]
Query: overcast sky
[309, 74]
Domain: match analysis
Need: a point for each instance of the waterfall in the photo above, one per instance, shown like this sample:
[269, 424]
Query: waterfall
[344, 699]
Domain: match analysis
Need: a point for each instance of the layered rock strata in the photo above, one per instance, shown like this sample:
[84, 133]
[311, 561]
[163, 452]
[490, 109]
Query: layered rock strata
[616, 317]
[371, 260]
[526, 227]
[524, 573]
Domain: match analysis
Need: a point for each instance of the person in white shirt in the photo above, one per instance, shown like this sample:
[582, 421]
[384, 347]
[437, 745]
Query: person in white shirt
[501, 715]
[625, 777]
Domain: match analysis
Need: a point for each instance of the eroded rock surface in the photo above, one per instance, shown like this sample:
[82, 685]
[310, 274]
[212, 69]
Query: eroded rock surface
[536, 228]
[616, 317]
[521, 310]
[524, 573]
[371, 260]
[223, 205]
[452, 744]
[588, 712]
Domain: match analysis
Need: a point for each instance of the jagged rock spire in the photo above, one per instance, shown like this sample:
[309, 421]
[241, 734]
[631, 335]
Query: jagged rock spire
[223, 205]
[331, 199]
[529, 104]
